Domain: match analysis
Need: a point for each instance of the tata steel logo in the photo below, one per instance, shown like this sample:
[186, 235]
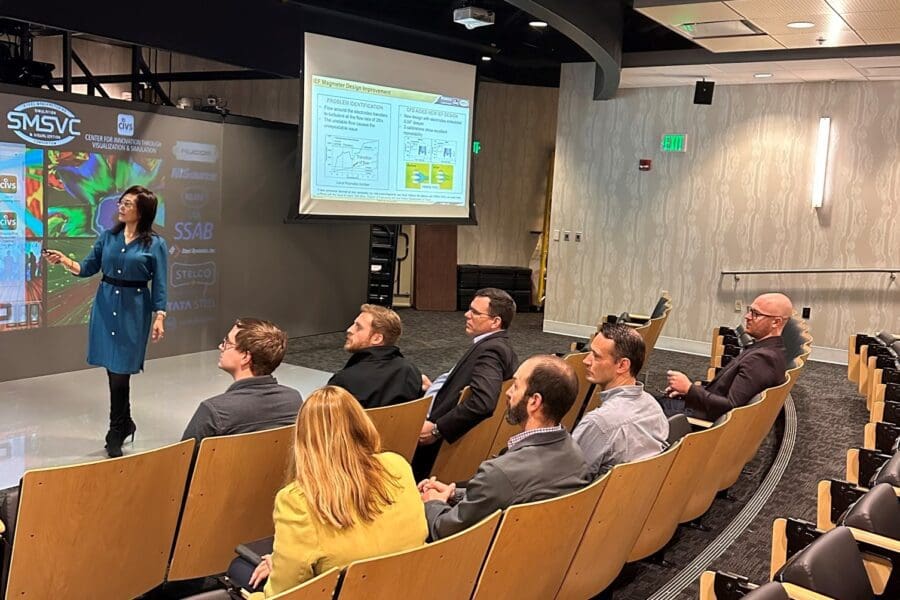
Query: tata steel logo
[43, 123]
[9, 184]
[9, 221]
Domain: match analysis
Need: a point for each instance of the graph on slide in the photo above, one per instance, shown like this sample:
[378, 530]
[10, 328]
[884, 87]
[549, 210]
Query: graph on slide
[351, 158]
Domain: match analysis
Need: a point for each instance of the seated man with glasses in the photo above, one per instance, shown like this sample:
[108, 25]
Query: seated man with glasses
[255, 401]
[759, 366]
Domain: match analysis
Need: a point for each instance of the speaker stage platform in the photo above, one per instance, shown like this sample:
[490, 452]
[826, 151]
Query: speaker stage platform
[62, 419]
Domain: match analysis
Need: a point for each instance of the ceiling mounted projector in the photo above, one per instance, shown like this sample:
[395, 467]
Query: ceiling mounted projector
[472, 17]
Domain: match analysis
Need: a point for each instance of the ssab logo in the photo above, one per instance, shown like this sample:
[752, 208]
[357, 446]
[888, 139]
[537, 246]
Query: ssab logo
[125, 125]
[9, 184]
[191, 230]
[43, 123]
[9, 221]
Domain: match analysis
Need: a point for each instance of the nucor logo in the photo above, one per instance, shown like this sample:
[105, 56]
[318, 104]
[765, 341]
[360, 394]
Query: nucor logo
[43, 123]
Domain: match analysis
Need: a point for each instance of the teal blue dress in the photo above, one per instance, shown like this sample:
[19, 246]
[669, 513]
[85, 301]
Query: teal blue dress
[121, 316]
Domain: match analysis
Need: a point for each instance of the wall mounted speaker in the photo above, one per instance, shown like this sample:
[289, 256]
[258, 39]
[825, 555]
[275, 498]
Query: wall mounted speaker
[703, 92]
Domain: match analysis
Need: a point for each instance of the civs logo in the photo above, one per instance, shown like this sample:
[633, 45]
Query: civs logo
[43, 123]
[9, 184]
[9, 221]
[125, 125]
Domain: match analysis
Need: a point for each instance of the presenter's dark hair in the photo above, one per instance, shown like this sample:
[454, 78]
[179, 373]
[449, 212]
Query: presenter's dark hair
[627, 343]
[555, 380]
[145, 202]
[502, 305]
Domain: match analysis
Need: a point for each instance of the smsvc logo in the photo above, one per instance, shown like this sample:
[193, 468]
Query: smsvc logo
[43, 123]
[125, 125]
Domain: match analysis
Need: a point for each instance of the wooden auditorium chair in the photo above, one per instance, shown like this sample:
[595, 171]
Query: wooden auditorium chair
[100, 530]
[459, 461]
[446, 569]
[230, 499]
[399, 425]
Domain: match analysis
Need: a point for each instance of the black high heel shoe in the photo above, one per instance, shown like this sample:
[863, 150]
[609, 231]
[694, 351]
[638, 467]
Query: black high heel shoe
[113, 444]
[130, 431]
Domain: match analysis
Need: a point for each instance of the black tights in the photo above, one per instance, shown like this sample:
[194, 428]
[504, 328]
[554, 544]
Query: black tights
[119, 407]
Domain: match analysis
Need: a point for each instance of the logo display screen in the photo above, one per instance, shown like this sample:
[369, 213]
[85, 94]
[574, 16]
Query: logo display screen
[63, 167]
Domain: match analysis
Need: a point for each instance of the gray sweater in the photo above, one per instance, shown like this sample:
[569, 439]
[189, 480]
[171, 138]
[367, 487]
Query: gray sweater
[252, 404]
[541, 466]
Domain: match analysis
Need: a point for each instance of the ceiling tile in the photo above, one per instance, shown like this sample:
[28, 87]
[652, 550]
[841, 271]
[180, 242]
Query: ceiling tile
[881, 36]
[740, 44]
[675, 15]
[814, 65]
[820, 75]
[810, 40]
[749, 67]
[874, 61]
[768, 9]
[885, 19]
[823, 24]
[849, 6]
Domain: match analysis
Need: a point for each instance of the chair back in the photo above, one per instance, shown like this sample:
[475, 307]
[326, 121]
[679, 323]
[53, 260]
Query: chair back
[447, 568]
[540, 539]
[122, 512]
[318, 588]
[651, 335]
[460, 460]
[576, 361]
[399, 425]
[676, 490]
[706, 482]
[734, 456]
[615, 525]
[230, 499]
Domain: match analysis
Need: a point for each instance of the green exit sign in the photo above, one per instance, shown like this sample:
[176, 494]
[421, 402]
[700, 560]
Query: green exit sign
[673, 142]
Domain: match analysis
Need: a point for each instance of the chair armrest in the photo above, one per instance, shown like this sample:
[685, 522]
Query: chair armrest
[699, 423]
[861, 535]
[795, 592]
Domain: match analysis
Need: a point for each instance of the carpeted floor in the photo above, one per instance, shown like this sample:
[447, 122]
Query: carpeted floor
[830, 415]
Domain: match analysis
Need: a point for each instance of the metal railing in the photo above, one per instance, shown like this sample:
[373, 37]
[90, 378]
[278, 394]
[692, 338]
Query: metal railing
[737, 274]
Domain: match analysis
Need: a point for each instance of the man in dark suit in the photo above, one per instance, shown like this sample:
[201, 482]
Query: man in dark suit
[485, 365]
[761, 365]
[541, 462]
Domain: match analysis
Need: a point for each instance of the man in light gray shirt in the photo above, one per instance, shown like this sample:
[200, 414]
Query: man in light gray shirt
[630, 424]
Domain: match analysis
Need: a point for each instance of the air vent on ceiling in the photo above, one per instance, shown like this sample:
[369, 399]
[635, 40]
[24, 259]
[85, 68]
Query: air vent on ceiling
[718, 29]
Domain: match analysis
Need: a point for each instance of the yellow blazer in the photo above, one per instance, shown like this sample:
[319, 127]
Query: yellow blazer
[304, 547]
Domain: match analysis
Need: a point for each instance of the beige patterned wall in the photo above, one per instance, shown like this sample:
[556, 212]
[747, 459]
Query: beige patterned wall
[738, 199]
[516, 126]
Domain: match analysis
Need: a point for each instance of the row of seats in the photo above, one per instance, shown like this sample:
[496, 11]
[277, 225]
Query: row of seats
[853, 549]
[571, 547]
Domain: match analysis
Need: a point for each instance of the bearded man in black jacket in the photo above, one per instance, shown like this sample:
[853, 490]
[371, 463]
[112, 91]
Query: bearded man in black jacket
[377, 374]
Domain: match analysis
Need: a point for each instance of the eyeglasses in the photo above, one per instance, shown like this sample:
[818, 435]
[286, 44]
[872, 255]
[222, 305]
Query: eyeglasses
[477, 313]
[125, 203]
[225, 344]
[755, 314]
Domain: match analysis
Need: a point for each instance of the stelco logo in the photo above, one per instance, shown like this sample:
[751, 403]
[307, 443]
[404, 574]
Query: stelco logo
[43, 123]
[9, 184]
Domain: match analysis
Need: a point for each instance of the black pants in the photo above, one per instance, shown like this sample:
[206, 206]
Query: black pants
[120, 423]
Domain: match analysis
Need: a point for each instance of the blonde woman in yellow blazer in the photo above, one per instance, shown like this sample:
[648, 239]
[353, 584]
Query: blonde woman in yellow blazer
[348, 500]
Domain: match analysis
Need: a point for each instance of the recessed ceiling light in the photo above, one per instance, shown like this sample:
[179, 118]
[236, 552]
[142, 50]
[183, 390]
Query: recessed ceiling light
[538, 24]
[486, 58]
[800, 25]
[762, 75]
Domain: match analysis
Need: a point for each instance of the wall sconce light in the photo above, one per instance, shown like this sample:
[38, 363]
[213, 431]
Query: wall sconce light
[818, 192]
